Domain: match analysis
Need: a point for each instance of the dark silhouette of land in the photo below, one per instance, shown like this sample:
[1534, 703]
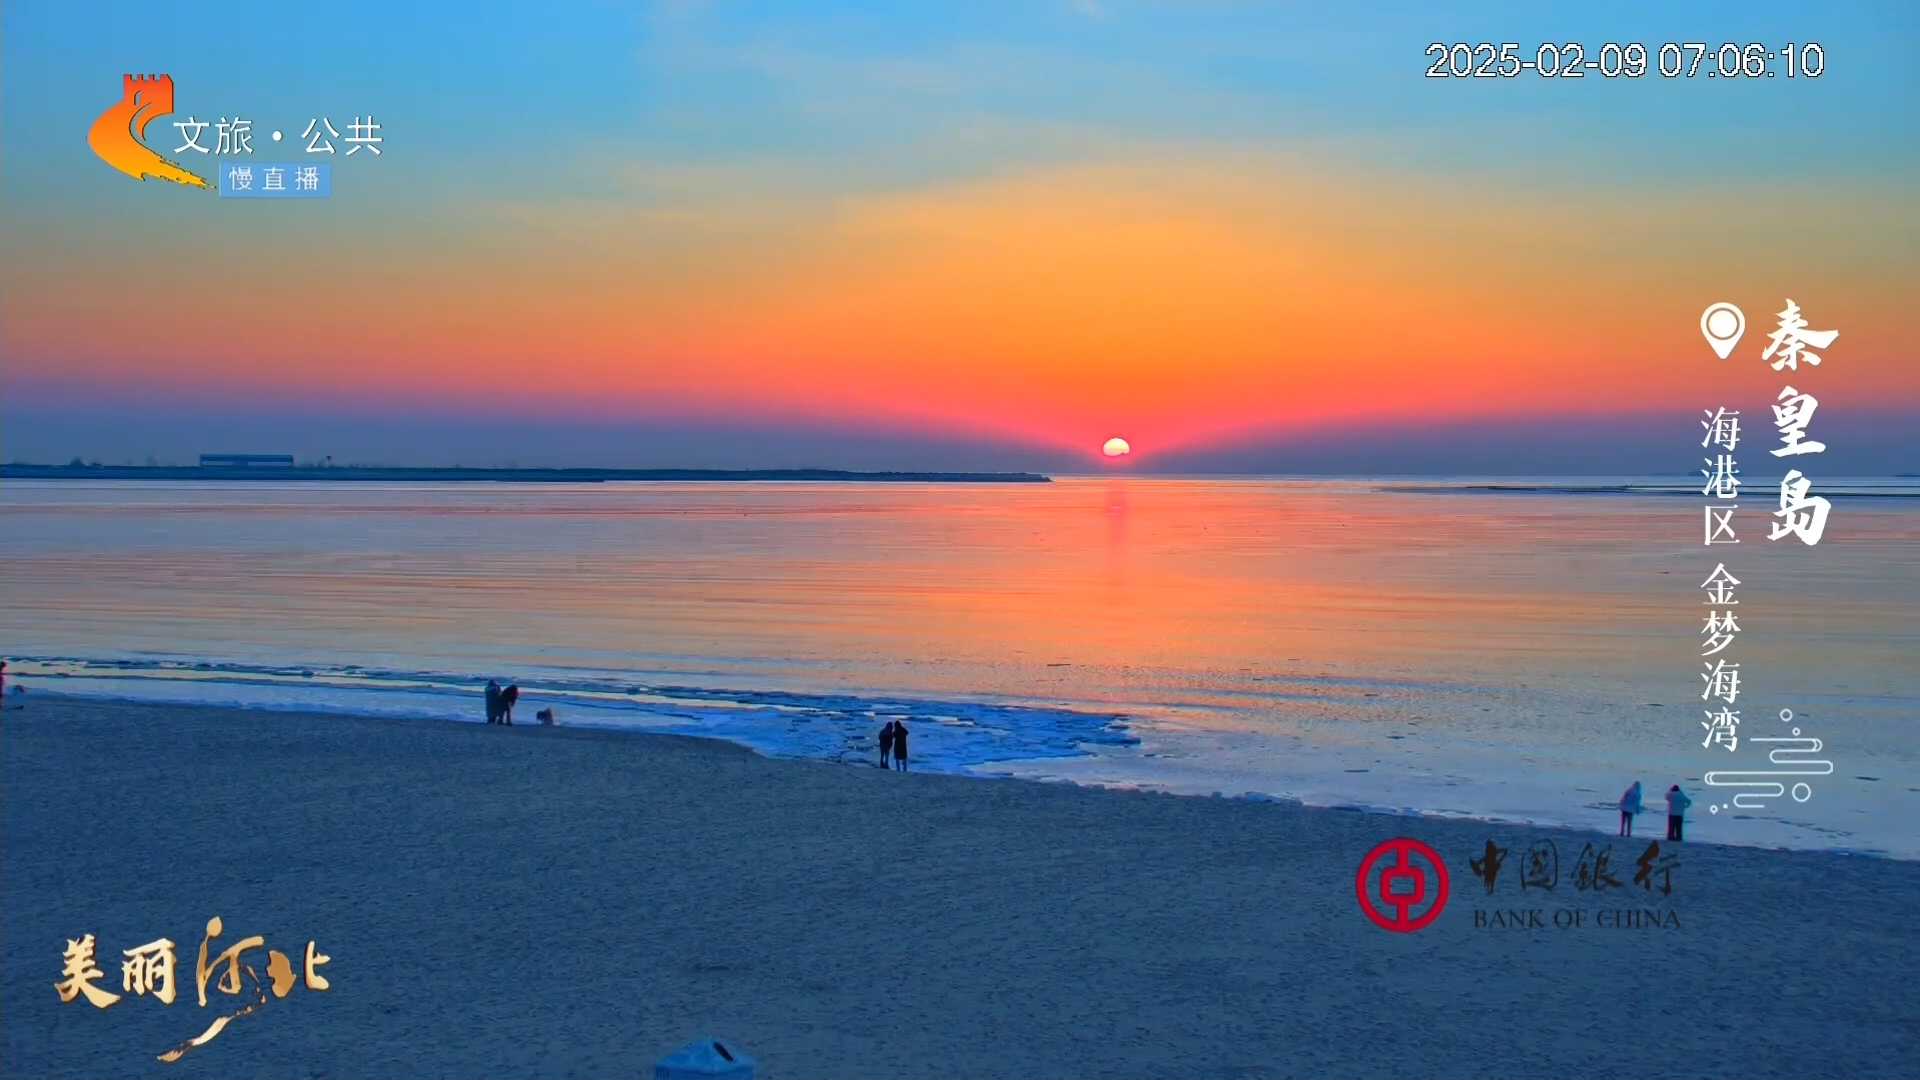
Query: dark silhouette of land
[28, 471]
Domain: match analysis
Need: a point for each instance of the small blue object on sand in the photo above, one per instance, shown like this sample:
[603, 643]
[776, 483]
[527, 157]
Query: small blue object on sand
[704, 1058]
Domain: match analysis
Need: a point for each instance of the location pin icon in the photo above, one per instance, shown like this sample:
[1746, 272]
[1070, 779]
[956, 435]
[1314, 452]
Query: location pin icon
[1722, 324]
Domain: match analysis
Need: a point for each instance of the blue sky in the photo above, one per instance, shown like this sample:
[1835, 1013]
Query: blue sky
[759, 120]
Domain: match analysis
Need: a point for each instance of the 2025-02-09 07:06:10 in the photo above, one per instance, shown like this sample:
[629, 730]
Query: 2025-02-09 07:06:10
[1673, 60]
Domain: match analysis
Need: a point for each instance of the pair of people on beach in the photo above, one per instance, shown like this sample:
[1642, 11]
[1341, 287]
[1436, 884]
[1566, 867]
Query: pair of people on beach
[500, 702]
[1677, 803]
[893, 743]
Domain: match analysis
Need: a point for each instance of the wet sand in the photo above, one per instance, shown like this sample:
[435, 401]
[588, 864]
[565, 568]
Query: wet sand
[552, 902]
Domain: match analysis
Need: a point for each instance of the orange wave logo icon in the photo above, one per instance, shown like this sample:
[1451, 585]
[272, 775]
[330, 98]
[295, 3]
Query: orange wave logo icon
[119, 136]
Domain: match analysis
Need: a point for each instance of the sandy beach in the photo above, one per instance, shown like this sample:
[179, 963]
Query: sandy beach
[551, 902]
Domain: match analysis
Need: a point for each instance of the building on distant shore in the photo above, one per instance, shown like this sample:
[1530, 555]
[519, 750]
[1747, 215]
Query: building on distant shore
[223, 461]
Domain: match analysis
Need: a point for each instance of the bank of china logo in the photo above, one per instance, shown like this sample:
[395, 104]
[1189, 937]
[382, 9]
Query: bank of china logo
[119, 136]
[1409, 889]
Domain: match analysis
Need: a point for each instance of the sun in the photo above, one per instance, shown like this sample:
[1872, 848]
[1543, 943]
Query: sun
[1116, 447]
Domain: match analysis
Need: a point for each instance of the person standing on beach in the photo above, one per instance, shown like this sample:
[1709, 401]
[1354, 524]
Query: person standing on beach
[493, 701]
[1629, 806]
[1677, 803]
[507, 699]
[886, 744]
[900, 745]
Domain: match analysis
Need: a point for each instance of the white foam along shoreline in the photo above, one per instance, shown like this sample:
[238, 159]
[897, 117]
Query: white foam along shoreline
[950, 735]
[984, 740]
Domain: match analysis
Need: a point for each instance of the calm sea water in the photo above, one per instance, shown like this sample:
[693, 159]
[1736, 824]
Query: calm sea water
[1445, 651]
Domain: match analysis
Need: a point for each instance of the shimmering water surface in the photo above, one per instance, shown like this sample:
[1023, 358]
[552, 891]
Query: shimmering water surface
[1404, 645]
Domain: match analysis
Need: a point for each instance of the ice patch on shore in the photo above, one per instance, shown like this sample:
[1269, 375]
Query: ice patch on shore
[1139, 748]
[946, 736]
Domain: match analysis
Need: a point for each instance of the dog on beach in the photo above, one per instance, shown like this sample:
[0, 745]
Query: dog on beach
[545, 716]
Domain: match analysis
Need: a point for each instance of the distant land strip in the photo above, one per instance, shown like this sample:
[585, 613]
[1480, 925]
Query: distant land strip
[27, 471]
[1607, 489]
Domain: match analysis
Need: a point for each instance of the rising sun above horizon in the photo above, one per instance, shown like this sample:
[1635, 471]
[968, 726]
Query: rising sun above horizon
[1116, 447]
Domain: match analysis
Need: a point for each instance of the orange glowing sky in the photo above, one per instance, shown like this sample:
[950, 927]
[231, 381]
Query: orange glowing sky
[1181, 291]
